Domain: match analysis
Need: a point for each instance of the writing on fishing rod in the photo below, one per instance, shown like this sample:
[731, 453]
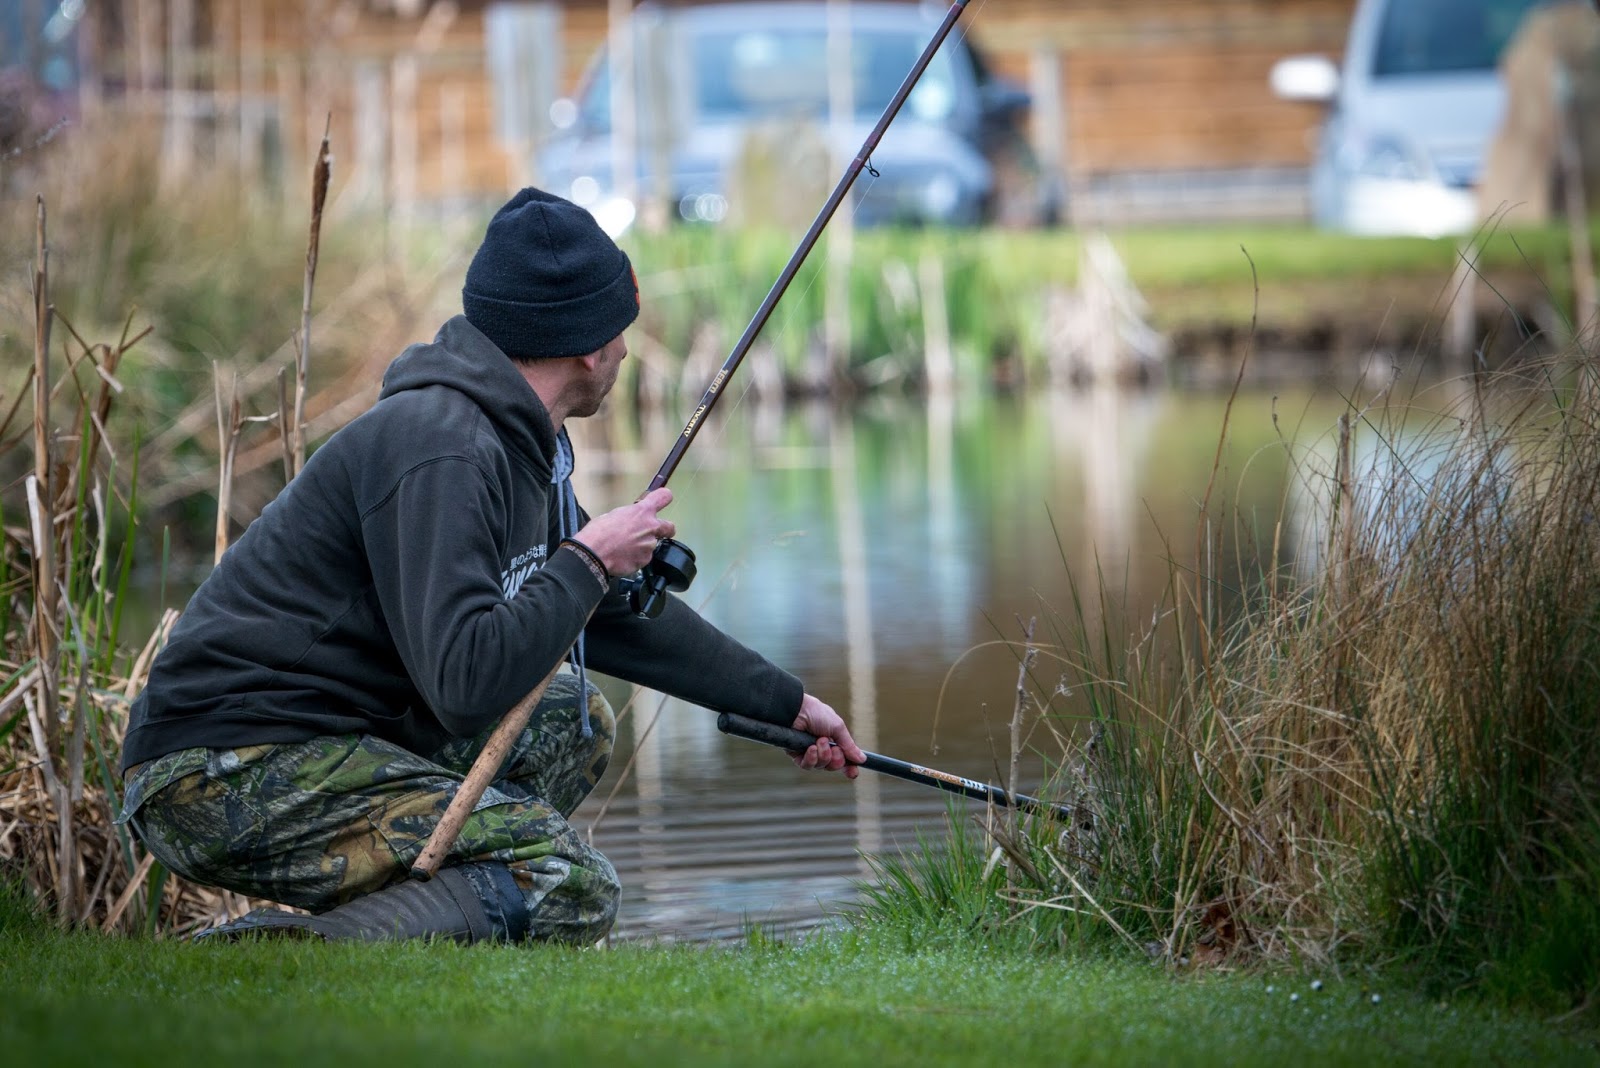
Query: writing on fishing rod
[711, 395]
[945, 776]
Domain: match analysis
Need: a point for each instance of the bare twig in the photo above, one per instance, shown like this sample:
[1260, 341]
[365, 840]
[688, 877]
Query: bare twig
[1018, 714]
[1084, 893]
[253, 458]
[16, 402]
[319, 196]
[141, 663]
[190, 422]
[44, 718]
[1586, 309]
[229, 423]
[135, 883]
[40, 497]
[285, 435]
[1204, 620]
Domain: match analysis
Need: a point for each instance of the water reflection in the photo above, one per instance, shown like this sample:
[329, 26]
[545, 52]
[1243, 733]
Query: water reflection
[1110, 432]
[1402, 454]
[880, 554]
[860, 651]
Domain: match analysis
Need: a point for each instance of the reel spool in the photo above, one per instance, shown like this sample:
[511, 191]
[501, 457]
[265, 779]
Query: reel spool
[670, 568]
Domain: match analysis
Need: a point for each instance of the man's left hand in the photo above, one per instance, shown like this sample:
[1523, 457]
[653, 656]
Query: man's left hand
[834, 749]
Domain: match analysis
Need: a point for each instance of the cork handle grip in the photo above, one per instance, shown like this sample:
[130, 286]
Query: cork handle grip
[484, 770]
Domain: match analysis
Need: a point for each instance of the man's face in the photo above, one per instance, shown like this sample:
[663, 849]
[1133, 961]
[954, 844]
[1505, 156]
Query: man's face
[599, 382]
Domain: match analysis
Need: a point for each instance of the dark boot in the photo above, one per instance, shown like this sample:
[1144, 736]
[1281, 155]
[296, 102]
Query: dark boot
[470, 903]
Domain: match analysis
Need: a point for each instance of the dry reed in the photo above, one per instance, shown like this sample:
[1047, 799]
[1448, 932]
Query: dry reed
[68, 682]
[63, 706]
[215, 270]
[1390, 745]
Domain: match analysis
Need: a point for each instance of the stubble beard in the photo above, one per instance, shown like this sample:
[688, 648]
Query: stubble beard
[596, 390]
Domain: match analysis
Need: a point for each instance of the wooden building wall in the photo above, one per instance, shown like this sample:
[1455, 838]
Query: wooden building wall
[1168, 83]
[1157, 89]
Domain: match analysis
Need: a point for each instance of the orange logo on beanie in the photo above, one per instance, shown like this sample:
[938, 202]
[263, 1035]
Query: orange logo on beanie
[635, 274]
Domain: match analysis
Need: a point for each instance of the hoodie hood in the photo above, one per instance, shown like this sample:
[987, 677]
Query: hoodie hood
[463, 359]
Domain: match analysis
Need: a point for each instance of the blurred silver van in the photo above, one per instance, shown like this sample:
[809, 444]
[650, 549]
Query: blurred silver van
[711, 77]
[1410, 114]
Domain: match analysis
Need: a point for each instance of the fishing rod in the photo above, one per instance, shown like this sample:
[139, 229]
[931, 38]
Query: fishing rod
[840, 191]
[797, 741]
[672, 566]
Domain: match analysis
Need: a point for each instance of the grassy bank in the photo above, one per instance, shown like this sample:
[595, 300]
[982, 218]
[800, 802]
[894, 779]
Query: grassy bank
[216, 271]
[999, 286]
[1387, 752]
[842, 999]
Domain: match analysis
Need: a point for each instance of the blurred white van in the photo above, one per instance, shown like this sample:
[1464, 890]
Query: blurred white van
[1410, 114]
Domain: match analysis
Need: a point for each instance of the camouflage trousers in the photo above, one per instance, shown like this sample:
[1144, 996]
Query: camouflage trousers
[317, 823]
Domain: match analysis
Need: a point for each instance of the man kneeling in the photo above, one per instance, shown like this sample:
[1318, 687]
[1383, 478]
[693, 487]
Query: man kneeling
[332, 681]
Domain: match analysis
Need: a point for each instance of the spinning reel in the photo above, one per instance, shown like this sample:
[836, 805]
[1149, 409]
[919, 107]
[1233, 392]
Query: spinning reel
[671, 567]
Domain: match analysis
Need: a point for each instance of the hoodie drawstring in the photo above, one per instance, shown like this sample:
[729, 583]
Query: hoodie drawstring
[567, 504]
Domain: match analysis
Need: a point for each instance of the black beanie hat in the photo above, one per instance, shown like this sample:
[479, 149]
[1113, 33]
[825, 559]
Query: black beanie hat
[547, 281]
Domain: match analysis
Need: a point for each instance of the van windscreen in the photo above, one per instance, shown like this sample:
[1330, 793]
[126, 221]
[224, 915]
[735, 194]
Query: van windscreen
[752, 72]
[1446, 36]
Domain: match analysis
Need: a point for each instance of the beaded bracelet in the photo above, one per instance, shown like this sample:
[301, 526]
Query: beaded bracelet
[591, 560]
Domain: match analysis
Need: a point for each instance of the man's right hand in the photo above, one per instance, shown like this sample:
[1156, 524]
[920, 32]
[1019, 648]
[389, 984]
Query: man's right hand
[625, 538]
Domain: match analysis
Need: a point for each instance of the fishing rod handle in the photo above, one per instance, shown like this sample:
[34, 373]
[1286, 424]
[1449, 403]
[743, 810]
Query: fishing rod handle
[795, 741]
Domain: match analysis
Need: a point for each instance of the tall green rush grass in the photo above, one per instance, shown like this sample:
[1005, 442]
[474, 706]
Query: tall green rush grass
[1382, 747]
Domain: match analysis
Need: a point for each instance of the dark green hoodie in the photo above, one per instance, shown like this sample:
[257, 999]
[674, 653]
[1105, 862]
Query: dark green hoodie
[403, 585]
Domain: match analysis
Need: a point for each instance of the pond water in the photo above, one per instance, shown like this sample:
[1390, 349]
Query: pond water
[885, 555]
[890, 554]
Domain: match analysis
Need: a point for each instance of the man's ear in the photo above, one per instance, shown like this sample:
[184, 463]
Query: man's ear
[590, 361]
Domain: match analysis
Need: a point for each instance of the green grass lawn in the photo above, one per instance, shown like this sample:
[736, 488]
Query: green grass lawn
[838, 999]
